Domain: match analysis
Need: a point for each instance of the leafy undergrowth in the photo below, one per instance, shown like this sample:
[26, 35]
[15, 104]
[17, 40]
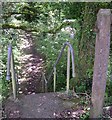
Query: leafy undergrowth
[81, 108]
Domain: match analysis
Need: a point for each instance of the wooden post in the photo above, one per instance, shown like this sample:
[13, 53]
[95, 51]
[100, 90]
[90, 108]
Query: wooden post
[54, 79]
[13, 77]
[68, 70]
[46, 86]
[101, 62]
[44, 83]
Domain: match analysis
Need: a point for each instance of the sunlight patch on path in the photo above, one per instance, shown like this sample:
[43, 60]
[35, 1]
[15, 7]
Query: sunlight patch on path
[31, 66]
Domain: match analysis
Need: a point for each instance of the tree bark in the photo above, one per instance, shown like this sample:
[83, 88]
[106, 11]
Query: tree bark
[101, 62]
[86, 42]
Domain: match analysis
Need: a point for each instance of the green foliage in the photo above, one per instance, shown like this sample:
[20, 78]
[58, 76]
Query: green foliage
[108, 93]
[6, 38]
[85, 116]
[48, 16]
[51, 47]
[3, 83]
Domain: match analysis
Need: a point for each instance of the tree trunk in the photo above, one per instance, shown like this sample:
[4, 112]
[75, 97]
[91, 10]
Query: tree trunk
[101, 62]
[86, 43]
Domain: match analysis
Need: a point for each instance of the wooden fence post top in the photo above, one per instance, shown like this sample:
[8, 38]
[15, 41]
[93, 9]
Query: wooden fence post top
[104, 12]
[103, 15]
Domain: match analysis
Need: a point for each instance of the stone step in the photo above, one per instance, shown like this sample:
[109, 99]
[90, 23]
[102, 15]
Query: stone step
[42, 105]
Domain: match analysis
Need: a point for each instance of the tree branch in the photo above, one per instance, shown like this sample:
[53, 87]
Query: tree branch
[17, 13]
[52, 31]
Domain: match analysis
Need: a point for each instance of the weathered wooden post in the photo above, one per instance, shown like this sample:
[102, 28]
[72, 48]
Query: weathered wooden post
[44, 83]
[68, 70]
[54, 79]
[101, 62]
[13, 78]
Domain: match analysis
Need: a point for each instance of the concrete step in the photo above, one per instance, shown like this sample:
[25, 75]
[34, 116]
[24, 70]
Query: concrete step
[42, 105]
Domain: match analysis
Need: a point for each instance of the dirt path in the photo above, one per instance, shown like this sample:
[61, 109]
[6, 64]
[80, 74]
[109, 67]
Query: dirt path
[31, 66]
